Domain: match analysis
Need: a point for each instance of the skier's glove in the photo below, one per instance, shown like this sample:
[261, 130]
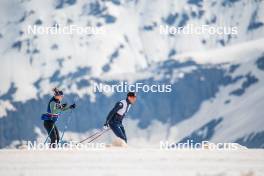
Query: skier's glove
[106, 125]
[64, 105]
[73, 106]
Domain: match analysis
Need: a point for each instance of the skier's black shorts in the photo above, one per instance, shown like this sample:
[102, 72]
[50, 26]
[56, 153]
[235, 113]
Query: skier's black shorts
[54, 134]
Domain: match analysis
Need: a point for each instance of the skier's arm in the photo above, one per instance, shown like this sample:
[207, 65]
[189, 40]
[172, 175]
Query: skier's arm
[65, 107]
[111, 114]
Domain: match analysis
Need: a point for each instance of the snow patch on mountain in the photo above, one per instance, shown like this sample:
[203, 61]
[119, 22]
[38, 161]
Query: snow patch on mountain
[4, 107]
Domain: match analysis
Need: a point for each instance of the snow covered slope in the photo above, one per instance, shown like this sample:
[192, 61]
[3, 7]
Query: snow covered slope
[216, 80]
[132, 162]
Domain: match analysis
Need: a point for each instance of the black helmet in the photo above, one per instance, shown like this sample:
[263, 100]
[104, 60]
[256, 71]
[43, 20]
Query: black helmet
[131, 94]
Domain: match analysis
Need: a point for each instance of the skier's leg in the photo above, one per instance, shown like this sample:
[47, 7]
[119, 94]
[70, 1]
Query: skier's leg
[48, 124]
[57, 134]
[118, 131]
[124, 132]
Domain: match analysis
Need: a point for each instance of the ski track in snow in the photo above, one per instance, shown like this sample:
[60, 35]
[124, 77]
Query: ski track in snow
[132, 161]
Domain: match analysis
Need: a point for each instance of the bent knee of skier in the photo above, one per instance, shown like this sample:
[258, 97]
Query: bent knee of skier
[119, 132]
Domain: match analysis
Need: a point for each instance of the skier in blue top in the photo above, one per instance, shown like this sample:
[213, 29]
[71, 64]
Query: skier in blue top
[53, 113]
[116, 115]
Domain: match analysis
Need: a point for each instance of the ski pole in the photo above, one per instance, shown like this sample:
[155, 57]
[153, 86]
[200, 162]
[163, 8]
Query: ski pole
[89, 137]
[66, 126]
[68, 122]
[98, 135]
